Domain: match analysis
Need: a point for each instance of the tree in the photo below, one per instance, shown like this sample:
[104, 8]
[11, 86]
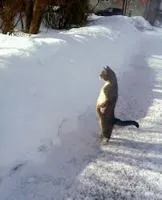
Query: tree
[124, 6]
[37, 14]
[9, 10]
[28, 14]
[70, 12]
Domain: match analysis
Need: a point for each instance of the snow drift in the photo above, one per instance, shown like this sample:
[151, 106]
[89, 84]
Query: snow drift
[49, 85]
[52, 77]
[141, 24]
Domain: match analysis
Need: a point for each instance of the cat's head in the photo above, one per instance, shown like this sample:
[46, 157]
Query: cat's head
[107, 74]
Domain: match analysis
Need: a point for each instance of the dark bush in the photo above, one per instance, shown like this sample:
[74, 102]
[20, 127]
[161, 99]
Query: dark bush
[65, 14]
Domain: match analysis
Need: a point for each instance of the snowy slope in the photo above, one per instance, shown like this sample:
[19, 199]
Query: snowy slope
[53, 77]
[48, 128]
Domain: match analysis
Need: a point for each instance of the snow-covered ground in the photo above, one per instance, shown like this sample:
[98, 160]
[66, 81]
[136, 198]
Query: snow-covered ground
[49, 84]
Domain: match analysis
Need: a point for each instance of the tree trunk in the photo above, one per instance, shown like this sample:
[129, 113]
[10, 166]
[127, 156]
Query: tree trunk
[38, 10]
[124, 7]
[8, 18]
[8, 15]
[28, 14]
[9, 10]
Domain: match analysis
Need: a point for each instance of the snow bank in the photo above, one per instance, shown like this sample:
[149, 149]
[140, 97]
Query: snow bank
[49, 85]
[140, 23]
[48, 81]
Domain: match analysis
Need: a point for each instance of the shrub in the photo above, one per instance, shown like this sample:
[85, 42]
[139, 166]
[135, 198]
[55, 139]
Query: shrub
[64, 14]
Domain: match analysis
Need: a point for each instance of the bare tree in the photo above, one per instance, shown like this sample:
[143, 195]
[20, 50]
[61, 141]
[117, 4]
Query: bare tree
[28, 14]
[124, 6]
[38, 10]
[9, 10]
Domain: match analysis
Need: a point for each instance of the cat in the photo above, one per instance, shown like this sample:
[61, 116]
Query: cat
[106, 102]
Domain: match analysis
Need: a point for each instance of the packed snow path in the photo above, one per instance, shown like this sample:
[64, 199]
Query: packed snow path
[129, 167]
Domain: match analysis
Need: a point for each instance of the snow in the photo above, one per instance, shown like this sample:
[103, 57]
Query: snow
[49, 84]
[140, 23]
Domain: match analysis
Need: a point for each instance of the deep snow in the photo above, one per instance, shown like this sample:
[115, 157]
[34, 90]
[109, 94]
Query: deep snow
[48, 128]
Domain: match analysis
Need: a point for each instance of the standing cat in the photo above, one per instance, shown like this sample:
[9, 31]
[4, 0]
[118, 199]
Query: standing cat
[106, 103]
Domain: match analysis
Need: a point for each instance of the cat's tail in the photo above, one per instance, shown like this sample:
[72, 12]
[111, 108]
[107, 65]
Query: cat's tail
[125, 123]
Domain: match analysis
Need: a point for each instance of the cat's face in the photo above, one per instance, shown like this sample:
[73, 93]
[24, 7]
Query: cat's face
[105, 73]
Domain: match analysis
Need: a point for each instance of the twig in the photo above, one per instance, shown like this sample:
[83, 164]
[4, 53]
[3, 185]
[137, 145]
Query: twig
[92, 10]
[60, 126]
